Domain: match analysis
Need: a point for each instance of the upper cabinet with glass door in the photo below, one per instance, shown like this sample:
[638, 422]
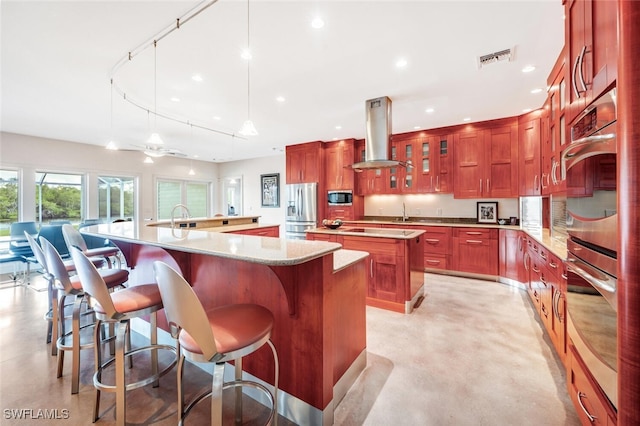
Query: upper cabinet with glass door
[434, 164]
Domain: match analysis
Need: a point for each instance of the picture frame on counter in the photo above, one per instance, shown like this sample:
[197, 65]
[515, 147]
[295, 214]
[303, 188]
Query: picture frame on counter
[270, 185]
[487, 212]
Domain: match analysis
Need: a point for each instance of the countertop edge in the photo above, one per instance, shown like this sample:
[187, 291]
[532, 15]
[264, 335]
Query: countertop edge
[344, 258]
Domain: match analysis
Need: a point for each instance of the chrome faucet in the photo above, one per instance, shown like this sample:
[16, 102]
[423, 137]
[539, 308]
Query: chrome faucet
[185, 213]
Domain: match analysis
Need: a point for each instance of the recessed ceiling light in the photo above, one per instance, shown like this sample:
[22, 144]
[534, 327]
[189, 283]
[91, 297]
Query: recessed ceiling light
[401, 63]
[196, 77]
[466, 119]
[215, 117]
[528, 68]
[175, 99]
[417, 127]
[246, 54]
[536, 90]
[429, 110]
[317, 23]
[280, 99]
[338, 127]
[526, 110]
[335, 139]
[112, 146]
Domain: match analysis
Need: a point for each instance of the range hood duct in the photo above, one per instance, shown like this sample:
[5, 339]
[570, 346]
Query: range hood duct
[378, 136]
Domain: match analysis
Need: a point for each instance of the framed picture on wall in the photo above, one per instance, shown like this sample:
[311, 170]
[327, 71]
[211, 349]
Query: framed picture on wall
[270, 185]
[487, 212]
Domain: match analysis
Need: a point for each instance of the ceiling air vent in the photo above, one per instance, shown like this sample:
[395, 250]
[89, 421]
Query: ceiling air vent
[502, 55]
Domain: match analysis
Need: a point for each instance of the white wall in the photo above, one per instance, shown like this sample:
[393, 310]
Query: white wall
[30, 154]
[433, 205]
[250, 170]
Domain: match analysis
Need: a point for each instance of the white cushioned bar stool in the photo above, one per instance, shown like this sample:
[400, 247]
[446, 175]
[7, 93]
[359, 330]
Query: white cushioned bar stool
[119, 308]
[71, 286]
[217, 335]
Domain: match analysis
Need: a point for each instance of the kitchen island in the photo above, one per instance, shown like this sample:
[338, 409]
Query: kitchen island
[395, 279]
[316, 291]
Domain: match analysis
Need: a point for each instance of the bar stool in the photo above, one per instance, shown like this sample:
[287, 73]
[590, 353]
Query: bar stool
[73, 237]
[218, 335]
[118, 308]
[52, 291]
[68, 286]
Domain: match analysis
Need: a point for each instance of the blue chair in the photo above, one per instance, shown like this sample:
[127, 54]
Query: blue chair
[19, 245]
[53, 234]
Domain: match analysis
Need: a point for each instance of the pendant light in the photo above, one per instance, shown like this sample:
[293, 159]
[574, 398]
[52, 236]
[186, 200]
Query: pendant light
[154, 138]
[248, 129]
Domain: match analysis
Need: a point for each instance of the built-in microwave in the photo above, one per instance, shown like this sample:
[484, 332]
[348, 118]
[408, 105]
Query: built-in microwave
[340, 198]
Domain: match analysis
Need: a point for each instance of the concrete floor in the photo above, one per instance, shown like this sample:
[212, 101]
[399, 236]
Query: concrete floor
[473, 353]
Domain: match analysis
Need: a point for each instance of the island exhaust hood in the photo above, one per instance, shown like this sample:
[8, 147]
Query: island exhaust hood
[378, 137]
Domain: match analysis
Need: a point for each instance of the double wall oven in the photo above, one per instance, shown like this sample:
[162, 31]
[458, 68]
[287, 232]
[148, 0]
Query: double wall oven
[589, 167]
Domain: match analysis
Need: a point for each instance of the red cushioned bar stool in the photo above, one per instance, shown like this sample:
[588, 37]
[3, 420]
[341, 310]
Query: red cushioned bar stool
[218, 335]
[119, 308]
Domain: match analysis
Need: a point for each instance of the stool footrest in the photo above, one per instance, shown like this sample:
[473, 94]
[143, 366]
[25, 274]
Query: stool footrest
[139, 383]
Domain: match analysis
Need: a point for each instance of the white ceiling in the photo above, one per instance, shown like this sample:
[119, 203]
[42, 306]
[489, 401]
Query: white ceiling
[58, 57]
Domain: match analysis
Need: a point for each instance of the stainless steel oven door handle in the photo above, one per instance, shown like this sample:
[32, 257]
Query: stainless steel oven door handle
[597, 279]
[584, 147]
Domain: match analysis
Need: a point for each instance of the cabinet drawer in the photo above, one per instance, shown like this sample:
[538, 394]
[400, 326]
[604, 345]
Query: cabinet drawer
[436, 261]
[437, 240]
[475, 233]
[382, 246]
[588, 401]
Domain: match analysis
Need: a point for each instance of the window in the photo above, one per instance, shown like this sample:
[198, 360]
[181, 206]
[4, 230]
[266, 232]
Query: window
[116, 198]
[58, 197]
[8, 200]
[194, 195]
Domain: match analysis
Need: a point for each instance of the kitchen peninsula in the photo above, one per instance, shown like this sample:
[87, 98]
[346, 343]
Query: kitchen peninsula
[396, 263]
[316, 291]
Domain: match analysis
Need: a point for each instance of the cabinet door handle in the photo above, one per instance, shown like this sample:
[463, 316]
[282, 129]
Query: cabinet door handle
[534, 269]
[432, 240]
[590, 416]
[433, 262]
[438, 183]
[473, 233]
[525, 261]
[536, 180]
[553, 265]
[574, 82]
[488, 190]
[474, 241]
[371, 268]
[481, 186]
[519, 242]
[581, 74]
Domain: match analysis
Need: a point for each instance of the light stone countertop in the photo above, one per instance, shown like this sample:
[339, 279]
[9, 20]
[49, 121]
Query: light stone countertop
[398, 234]
[249, 248]
[343, 258]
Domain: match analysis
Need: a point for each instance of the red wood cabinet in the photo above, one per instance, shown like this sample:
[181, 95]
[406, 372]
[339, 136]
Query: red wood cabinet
[304, 163]
[271, 231]
[529, 129]
[339, 156]
[434, 161]
[475, 250]
[591, 405]
[512, 249]
[556, 132]
[437, 247]
[368, 181]
[592, 40]
[486, 160]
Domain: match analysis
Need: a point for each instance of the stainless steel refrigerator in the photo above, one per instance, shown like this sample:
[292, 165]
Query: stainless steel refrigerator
[302, 209]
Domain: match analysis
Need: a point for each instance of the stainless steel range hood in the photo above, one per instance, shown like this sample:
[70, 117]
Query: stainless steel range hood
[378, 136]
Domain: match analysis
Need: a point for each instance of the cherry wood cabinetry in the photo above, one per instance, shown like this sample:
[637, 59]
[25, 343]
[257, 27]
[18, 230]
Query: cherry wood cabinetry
[557, 325]
[402, 179]
[592, 43]
[486, 160]
[304, 163]
[530, 164]
[475, 250]
[437, 247]
[339, 155]
[368, 181]
[591, 405]
[513, 246]
[556, 132]
[270, 231]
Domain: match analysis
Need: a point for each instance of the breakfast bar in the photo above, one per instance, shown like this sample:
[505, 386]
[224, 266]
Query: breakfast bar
[316, 291]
